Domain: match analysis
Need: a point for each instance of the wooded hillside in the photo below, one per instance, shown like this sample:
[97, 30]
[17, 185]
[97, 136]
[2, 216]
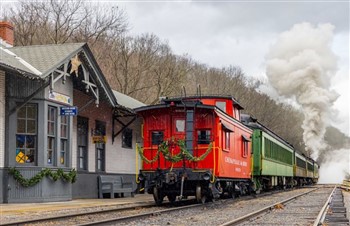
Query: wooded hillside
[144, 67]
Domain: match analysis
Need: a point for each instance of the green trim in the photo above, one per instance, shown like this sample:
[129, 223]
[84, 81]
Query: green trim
[59, 174]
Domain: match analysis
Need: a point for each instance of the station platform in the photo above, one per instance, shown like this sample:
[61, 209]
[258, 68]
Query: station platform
[17, 209]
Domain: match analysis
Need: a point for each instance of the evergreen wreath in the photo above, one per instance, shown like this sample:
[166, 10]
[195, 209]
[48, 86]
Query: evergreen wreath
[71, 176]
[165, 148]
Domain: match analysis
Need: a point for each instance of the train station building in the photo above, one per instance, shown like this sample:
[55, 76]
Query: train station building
[61, 124]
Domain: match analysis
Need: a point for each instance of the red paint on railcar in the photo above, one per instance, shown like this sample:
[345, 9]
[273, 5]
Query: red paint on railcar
[219, 123]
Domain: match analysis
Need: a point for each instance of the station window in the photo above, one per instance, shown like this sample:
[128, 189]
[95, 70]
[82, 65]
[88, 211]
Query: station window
[157, 137]
[82, 140]
[127, 138]
[64, 139]
[26, 135]
[203, 136]
[100, 130]
[51, 134]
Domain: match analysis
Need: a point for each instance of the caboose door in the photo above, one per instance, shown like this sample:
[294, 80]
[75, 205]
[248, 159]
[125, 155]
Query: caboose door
[178, 132]
[178, 127]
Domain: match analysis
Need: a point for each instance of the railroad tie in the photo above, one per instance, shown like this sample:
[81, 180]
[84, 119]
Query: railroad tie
[336, 214]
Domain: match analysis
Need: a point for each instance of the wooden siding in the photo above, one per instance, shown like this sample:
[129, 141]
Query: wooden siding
[19, 87]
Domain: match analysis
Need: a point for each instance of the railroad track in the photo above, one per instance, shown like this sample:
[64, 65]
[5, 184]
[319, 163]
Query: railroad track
[308, 208]
[93, 217]
[71, 217]
[119, 220]
[138, 213]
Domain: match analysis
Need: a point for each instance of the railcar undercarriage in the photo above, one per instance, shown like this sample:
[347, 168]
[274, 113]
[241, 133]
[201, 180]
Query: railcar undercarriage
[182, 183]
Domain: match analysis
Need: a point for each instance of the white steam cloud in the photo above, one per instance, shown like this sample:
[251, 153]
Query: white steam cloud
[300, 65]
[336, 168]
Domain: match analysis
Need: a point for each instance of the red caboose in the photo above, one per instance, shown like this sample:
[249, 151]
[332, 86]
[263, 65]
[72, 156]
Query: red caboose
[195, 146]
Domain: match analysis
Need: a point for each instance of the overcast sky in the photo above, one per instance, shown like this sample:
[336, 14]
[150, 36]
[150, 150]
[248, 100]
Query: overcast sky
[240, 33]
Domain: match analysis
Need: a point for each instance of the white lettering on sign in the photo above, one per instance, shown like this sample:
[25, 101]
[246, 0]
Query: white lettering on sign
[235, 161]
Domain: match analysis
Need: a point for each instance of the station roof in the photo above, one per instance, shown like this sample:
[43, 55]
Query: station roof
[37, 61]
[40, 61]
[127, 101]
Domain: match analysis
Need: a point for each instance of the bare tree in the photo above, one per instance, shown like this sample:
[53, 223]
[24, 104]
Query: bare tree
[170, 73]
[144, 67]
[46, 22]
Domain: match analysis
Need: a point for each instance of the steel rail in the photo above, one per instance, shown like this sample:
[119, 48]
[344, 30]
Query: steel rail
[141, 215]
[323, 212]
[67, 216]
[255, 213]
[64, 216]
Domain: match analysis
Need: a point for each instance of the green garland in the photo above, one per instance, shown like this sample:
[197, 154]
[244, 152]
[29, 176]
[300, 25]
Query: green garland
[69, 177]
[164, 149]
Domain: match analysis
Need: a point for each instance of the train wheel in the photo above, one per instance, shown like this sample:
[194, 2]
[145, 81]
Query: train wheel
[172, 198]
[231, 193]
[199, 196]
[158, 196]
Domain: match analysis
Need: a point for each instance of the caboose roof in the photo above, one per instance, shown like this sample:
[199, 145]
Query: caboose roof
[166, 105]
[194, 98]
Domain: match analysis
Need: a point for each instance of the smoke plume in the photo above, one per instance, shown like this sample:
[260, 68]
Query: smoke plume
[336, 168]
[300, 65]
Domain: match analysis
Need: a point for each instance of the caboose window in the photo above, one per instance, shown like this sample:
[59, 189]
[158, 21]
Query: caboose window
[245, 148]
[221, 105]
[180, 125]
[227, 140]
[157, 137]
[246, 141]
[203, 136]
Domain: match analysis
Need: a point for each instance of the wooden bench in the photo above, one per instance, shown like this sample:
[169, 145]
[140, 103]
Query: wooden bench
[112, 184]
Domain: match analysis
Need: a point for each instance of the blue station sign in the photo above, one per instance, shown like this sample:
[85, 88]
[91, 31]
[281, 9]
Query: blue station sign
[69, 111]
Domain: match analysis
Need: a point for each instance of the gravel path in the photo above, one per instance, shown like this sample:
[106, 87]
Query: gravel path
[301, 211]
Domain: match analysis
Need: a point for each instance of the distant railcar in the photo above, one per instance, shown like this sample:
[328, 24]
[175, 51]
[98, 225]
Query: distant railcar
[195, 146]
[272, 158]
[312, 171]
[300, 169]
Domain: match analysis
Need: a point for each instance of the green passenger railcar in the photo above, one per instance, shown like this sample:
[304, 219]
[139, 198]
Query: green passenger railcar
[273, 160]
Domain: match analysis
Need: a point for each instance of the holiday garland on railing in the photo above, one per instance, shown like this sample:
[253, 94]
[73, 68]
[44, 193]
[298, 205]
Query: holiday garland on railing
[165, 148]
[71, 176]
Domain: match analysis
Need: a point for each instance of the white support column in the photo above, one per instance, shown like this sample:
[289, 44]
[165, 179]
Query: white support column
[2, 118]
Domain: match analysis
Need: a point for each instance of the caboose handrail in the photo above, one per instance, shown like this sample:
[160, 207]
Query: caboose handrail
[214, 163]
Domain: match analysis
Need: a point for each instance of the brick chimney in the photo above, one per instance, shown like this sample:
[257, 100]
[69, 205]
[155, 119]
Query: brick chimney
[6, 32]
